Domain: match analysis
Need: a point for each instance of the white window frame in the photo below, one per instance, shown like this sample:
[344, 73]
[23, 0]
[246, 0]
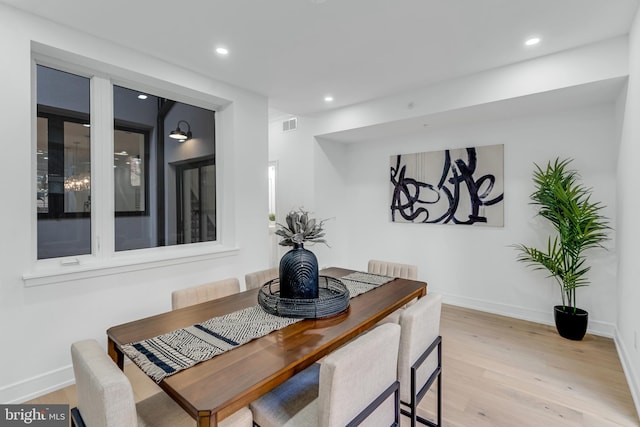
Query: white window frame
[104, 260]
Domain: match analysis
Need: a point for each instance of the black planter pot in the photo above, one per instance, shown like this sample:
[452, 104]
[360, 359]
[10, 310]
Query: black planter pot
[571, 325]
[299, 274]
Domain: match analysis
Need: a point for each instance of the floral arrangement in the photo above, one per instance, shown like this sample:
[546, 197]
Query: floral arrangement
[300, 228]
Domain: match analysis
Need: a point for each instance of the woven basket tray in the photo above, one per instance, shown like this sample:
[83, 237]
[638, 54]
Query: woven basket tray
[333, 299]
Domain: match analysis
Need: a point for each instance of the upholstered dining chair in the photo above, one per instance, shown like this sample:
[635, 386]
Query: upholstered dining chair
[258, 278]
[420, 356]
[393, 269]
[357, 382]
[105, 396]
[201, 293]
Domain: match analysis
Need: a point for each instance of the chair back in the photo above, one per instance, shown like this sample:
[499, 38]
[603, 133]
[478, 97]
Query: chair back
[105, 396]
[393, 269]
[357, 374]
[201, 293]
[258, 278]
[420, 324]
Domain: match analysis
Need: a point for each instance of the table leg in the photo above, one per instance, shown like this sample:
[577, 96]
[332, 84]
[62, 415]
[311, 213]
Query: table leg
[207, 421]
[115, 353]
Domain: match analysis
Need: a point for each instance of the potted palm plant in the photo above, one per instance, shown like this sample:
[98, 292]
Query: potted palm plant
[579, 224]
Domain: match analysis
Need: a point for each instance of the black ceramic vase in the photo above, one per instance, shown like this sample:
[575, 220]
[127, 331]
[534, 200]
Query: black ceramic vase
[299, 273]
[571, 325]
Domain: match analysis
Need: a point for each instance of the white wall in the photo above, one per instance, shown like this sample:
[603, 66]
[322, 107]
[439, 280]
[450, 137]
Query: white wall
[293, 152]
[475, 266]
[38, 324]
[310, 175]
[628, 337]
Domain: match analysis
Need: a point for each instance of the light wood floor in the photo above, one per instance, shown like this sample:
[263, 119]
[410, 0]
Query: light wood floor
[499, 371]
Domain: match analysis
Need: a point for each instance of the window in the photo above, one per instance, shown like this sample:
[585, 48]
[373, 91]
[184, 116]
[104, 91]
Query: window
[149, 170]
[148, 209]
[63, 164]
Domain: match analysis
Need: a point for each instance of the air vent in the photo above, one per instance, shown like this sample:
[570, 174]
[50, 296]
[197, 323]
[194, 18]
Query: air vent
[290, 124]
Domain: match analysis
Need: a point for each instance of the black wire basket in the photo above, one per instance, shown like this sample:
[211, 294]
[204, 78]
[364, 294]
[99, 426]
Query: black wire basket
[333, 298]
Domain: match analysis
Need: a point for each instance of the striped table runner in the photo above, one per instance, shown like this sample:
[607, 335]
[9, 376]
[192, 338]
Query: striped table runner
[167, 354]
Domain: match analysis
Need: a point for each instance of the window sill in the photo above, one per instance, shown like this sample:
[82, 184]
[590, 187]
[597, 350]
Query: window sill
[88, 267]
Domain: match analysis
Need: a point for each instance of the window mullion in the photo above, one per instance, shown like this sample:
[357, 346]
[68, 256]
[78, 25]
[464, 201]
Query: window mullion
[102, 188]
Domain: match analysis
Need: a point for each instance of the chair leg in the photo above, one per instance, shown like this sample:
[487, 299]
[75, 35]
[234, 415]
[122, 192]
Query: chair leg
[396, 403]
[413, 410]
[76, 418]
[439, 396]
[438, 422]
[416, 396]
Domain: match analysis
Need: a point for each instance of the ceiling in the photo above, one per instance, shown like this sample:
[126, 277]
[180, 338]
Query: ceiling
[549, 102]
[296, 52]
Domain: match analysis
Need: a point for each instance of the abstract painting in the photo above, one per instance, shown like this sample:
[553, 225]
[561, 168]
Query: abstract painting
[460, 186]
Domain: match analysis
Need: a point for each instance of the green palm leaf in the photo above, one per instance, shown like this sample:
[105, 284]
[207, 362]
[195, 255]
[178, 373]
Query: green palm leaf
[578, 222]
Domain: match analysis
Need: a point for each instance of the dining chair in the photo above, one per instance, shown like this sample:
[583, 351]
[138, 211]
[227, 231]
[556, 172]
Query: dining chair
[355, 383]
[258, 278]
[418, 364]
[105, 396]
[393, 269]
[201, 293]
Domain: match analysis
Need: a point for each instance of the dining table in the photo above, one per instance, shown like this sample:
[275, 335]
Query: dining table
[214, 389]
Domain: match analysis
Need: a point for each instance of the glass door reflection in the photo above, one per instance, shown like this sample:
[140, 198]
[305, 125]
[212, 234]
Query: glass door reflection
[196, 195]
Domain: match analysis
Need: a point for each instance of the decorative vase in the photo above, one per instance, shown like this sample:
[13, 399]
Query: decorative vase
[299, 273]
[571, 325]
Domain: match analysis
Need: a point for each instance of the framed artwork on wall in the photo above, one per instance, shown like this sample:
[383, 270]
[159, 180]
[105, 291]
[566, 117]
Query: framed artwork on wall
[458, 186]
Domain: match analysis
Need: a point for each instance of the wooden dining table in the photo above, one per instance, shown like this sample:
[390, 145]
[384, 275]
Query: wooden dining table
[212, 390]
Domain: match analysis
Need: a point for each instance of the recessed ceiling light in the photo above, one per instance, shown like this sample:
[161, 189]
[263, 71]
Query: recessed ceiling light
[328, 98]
[222, 50]
[87, 125]
[142, 96]
[532, 41]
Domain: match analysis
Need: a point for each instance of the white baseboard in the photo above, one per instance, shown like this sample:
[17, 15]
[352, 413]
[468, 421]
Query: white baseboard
[604, 329]
[629, 371]
[37, 386]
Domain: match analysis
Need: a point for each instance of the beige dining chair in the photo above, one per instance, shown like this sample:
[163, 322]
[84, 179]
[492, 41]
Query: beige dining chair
[201, 293]
[420, 356]
[258, 278]
[393, 269]
[105, 396]
[357, 382]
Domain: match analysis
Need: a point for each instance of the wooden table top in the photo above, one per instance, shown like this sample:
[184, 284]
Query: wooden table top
[214, 389]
